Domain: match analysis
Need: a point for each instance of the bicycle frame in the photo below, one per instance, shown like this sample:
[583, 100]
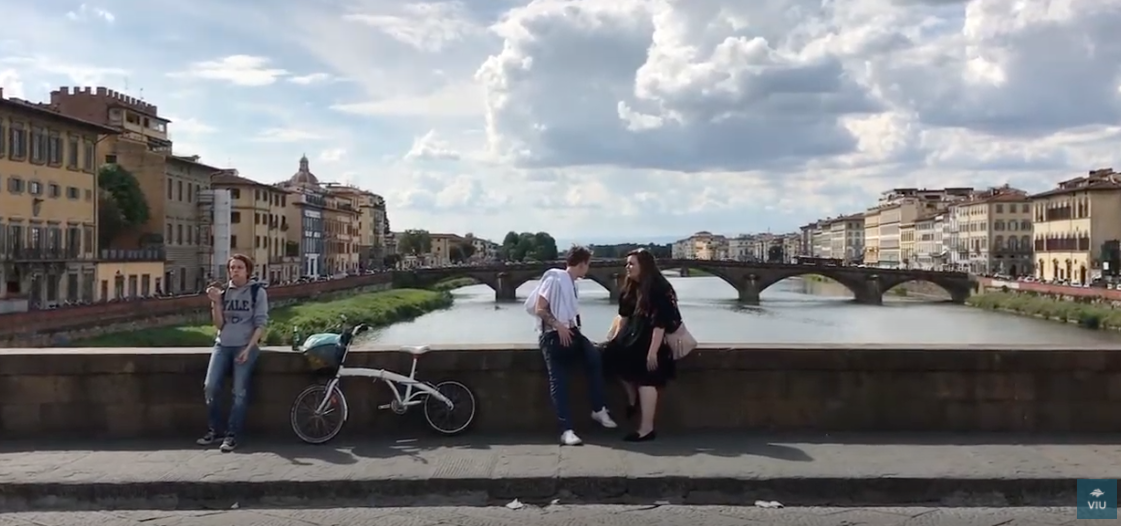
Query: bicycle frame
[393, 380]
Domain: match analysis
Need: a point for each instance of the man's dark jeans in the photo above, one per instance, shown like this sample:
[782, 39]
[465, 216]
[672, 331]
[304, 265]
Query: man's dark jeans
[558, 359]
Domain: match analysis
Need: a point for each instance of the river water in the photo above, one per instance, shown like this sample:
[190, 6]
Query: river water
[792, 311]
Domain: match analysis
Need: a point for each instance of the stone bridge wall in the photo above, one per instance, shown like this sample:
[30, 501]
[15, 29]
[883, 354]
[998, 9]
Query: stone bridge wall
[122, 393]
[52, 327]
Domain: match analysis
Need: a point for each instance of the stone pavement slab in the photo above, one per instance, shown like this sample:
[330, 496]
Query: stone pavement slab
[730, 469]
[563, 515]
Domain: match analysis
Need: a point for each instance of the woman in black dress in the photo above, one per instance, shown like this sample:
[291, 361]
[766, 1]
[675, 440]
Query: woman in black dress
[637, 353]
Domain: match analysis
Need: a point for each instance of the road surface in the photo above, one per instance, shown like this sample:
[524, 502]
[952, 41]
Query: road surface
[561, 515]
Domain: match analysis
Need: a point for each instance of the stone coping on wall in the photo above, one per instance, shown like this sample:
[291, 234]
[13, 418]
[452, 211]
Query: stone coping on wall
[495, 357]
[134, 393]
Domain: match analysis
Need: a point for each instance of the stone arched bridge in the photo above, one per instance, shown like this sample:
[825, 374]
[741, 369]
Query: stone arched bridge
[868, 285]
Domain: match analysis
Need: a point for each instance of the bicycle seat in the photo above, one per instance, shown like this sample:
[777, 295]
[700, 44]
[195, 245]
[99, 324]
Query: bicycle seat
[415, 350]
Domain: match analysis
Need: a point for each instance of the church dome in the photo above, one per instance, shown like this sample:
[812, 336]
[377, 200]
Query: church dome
[304, 177]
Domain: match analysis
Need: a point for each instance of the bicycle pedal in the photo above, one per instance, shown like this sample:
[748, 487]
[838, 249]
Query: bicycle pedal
[385, 406]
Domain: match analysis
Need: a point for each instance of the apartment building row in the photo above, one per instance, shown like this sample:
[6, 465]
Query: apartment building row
[50, 251]
[744, 247]
[1068, 234]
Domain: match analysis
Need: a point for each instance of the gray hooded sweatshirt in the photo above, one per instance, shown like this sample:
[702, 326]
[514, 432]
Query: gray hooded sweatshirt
[240, 316]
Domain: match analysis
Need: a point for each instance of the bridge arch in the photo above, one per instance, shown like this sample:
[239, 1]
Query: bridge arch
[854, 286]
[712, 270]
[432, 278]
[957, 290]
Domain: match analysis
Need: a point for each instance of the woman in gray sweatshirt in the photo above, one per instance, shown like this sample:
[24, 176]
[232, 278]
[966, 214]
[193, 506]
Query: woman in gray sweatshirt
[240, 313]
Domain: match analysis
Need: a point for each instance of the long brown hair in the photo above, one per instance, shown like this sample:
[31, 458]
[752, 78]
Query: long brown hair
[650, 281]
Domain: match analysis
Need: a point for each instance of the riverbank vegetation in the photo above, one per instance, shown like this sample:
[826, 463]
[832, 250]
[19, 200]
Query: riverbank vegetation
[454, 283]
[376, 309]
[1084, 314]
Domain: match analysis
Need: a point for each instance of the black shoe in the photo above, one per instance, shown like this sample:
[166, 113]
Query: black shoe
[635, 437]
[208, 439]
[632, 410]
[229, 444]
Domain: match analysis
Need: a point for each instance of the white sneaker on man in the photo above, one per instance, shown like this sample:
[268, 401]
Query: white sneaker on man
[568, 438]
[604, 419]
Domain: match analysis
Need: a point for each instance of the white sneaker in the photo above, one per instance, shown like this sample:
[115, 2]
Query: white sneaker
[604, 419]
[568, 438]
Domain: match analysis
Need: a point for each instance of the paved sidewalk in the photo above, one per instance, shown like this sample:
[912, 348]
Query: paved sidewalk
[563, 515]
[475, 470]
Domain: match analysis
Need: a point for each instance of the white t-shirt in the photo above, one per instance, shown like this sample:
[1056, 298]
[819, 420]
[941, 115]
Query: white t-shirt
[559, 289]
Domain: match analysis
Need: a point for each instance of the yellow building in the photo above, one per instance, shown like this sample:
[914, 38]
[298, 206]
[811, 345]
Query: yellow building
[259, 226]
[442, 246]
[872, 237]
[341, 218]
[129, 279]
[907, 244]
[1072, 222]
[48, 205]
[141, 147]
[992, 232]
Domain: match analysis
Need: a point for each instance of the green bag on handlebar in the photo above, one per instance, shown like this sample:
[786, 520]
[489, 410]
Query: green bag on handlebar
[322, 351]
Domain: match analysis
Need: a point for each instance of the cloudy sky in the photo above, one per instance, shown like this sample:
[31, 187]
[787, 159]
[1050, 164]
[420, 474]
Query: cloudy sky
[605, 120]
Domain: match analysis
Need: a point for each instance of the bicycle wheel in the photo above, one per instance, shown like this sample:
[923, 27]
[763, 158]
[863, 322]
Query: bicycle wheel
[450, 420]
[318, 428]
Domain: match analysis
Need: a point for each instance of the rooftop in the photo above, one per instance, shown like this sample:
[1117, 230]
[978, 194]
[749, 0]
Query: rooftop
[1102, 179]
[46, 111]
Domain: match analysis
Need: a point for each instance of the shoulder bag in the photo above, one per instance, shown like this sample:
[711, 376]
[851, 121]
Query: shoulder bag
[681, 342]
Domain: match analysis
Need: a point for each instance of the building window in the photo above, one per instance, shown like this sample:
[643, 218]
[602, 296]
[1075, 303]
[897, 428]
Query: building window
[178, 234]
[72, 193]
[54, 191]
[190, 193]
[54, 148]
[35, 188]
[18, 141]
[15, 185]
[72, 154]
[89, 150]
[179, 190]
[169, 234]
[170, 195]
[235, 194]
[3, 138]
[38, 154]
[145, 284]
[233, 241]
[235, 217]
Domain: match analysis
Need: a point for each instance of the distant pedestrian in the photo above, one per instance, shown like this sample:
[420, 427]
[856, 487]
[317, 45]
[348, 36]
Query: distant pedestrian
[556, 305]
[240, 313]
[637, 351]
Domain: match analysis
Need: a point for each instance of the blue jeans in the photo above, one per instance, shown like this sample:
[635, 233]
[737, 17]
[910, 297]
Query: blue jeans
[222, 360]
[557, 360]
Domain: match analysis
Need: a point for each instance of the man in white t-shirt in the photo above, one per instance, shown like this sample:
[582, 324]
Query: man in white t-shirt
[555, 303]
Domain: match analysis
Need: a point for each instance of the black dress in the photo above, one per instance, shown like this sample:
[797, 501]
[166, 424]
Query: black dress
[625, 355]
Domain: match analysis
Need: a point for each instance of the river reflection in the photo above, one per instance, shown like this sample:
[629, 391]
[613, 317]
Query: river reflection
[792, 311]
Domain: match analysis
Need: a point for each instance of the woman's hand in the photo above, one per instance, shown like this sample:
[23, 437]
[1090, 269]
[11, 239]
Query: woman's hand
[652, 360]
[243, 356]
[214, 293]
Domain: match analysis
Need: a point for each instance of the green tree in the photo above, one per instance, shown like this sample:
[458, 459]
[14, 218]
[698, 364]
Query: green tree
[544, 246]
[415, 242]
[110, 222]
[527, 246]
[124, 204]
